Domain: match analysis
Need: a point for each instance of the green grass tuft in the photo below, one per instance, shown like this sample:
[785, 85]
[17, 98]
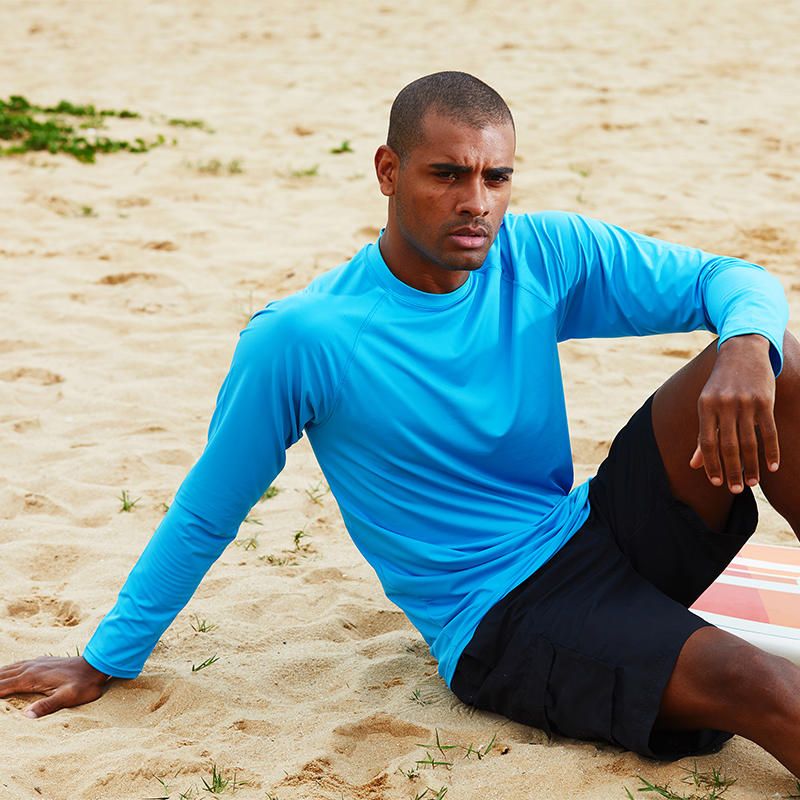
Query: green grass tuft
[127, 503]
[63, 128]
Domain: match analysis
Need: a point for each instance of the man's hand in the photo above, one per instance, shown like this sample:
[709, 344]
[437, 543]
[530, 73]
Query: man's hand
[735, 407]
[66, 682]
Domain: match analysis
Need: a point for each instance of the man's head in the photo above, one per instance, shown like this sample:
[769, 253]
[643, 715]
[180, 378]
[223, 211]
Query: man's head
[446, 169]
[457, 96]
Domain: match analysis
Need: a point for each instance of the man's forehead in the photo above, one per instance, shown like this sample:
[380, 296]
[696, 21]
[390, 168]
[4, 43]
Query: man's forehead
[445, 138]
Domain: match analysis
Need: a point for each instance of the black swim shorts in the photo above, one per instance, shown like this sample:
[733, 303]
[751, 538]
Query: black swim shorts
[585, 646]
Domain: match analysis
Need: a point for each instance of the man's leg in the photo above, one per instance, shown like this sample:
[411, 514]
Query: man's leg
[676, 425]
[720, 681]
[723, 682]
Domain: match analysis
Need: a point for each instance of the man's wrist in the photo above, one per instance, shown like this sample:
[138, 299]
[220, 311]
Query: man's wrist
[102, 677]
[747, 340]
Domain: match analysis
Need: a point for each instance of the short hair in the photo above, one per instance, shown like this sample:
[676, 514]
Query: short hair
[457, 95]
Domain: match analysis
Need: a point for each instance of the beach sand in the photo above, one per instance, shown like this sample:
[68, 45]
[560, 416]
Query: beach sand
[125, 283]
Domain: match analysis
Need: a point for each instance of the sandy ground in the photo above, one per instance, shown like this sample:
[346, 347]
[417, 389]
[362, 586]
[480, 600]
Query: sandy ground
[124, 285]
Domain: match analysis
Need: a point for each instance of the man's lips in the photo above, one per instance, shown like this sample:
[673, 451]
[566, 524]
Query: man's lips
[469, 238]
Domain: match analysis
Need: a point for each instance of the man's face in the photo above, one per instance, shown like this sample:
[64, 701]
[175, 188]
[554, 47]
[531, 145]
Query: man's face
[449, 195]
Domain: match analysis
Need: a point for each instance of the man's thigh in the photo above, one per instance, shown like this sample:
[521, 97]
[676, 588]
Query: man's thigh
[665, 540]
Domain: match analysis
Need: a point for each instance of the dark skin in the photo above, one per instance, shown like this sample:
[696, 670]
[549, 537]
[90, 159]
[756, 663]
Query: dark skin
[717, 423]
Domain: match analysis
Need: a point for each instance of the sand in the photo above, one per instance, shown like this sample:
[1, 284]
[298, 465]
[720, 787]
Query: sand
[124, 285]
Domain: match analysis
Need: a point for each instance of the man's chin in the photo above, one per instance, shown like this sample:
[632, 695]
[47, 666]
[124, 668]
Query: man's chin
[468, 261]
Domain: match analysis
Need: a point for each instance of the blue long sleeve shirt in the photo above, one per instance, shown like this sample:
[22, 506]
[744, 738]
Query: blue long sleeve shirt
[438, 420]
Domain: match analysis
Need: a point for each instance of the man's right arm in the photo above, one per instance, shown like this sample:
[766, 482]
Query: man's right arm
[274, 388]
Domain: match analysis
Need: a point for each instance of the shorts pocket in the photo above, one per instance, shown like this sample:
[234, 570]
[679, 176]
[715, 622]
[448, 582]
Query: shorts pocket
[517, 686]
[579, 700]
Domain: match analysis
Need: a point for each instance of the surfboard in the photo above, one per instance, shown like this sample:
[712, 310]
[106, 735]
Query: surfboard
[758, 598]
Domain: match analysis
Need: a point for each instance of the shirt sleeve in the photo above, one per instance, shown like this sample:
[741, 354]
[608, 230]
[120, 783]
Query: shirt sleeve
[275, 387]
[611, 282]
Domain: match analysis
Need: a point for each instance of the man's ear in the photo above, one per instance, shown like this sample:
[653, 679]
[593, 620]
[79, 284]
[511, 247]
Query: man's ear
[387, 165]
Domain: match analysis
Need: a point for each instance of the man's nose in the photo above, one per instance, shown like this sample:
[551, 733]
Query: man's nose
[474, 200]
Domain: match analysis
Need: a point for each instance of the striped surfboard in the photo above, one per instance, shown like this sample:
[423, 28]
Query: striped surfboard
[758, 598]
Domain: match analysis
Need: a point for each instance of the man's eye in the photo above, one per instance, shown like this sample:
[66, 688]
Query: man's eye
[498, 178]
[447, 175]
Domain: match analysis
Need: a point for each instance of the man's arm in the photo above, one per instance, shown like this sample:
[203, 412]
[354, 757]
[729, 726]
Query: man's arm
[274, 388]
[616, 283]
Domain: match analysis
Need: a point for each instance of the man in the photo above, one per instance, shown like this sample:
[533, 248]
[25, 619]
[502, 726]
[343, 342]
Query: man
[425, 372]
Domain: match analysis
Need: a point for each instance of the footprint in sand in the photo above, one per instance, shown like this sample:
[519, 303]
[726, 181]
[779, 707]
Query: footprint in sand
[321, 774]
[62, 613]
[44, 377]
[368, 623]
[149, 278]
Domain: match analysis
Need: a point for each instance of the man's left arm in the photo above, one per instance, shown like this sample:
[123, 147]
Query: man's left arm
[617, 283]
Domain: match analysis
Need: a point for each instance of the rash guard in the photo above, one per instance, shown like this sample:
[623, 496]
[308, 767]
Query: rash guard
[438, 420]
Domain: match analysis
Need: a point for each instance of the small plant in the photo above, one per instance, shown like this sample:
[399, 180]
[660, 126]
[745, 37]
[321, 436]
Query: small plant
[127, 503]
[298, 537]
[317, 492]
[249, 543]
[270, 493]
[165, 790]
[253, 520]
[164, 507]
[308, 172]
[344, 147]
[411, 774]
[712, 784]
[207, 663]
[87, 211]
[430, 761]
[63, 128]
[219, 783]
[189, 123]
[202, 625]
[435, 795]
[416, 696]
[217, 167]
[278, 561]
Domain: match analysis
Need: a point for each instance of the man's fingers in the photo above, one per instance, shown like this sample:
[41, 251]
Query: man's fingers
[12, 669]
[47, 705]
[708, 445]
[696, 461]
[769, 441]
[748, 449]
[731, 455]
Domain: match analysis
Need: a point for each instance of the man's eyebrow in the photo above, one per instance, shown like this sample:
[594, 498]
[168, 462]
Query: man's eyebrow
[461, 169]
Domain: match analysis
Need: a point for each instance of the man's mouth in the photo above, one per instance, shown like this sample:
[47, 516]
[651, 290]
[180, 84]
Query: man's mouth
[469, 238]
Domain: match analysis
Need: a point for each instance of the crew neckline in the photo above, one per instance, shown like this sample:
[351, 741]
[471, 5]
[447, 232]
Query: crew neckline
[408, 294]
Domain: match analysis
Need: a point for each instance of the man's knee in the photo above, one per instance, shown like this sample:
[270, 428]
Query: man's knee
[719, 681]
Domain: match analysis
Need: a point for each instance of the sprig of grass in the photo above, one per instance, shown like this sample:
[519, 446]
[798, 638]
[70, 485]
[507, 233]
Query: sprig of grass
[176, 122]
[207, 663]
[202, 625]
[216, 167]
[307, 172]
[416, 696]
[713, 785]
[298, 537]
[270, 493]
[435, 795]
[344, 147]
[127, 503]
[471, 750]
[317, 492]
